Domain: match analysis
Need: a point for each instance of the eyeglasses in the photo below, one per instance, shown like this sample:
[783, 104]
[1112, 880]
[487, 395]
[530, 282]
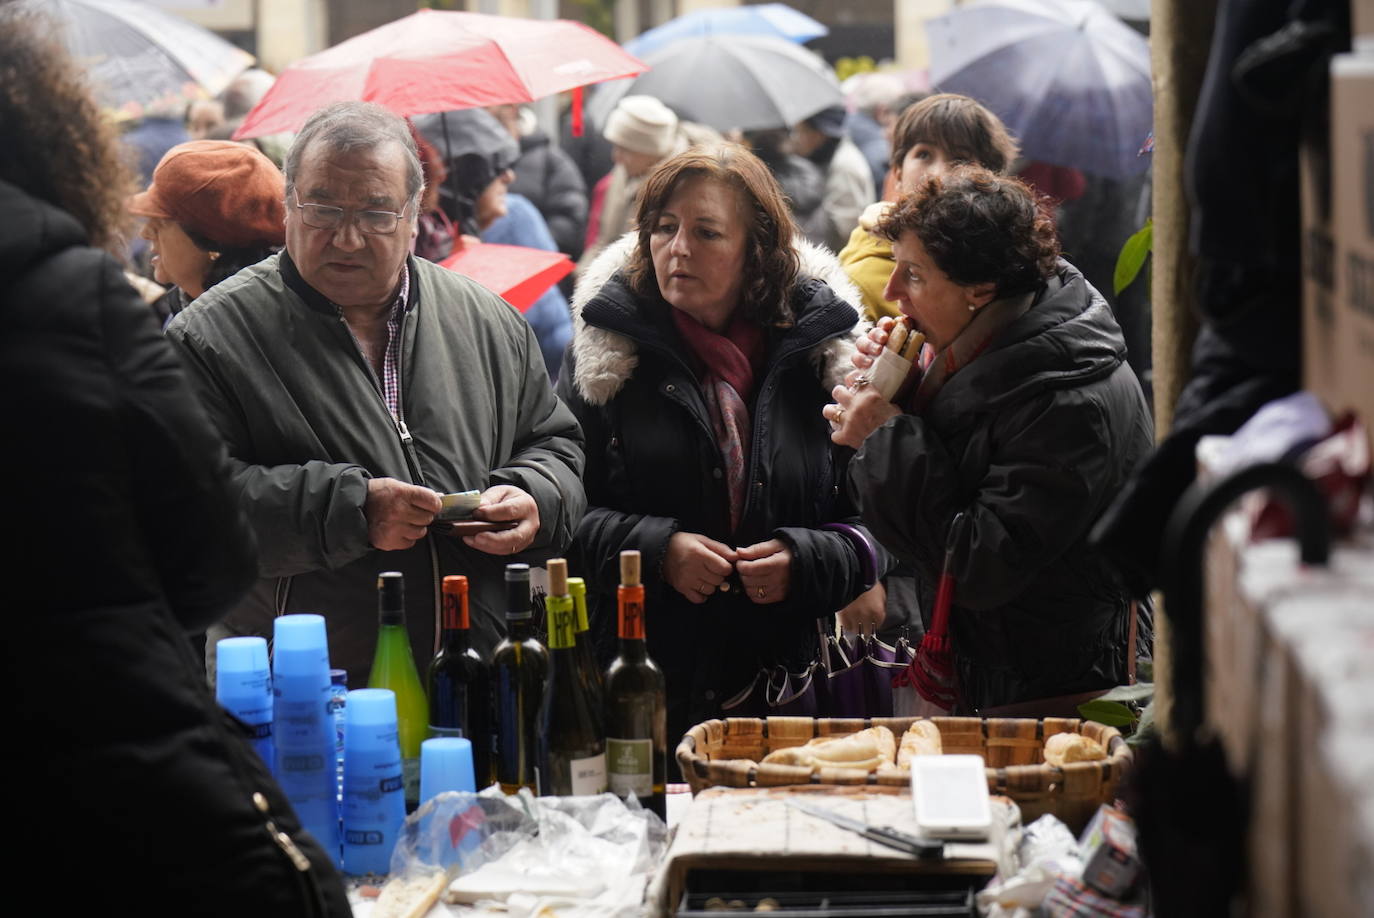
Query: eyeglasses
[326, 217]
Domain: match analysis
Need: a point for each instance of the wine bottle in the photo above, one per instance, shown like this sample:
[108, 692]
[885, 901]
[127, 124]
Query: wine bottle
[393, 667]
[573, 751]
[586, 653]
[520, 671]
[458, 683]
[636, 702]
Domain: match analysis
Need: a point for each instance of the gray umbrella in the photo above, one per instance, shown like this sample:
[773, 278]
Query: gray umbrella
[730, 81]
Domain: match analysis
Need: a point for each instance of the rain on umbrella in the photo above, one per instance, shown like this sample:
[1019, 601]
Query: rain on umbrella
[140, 57]
[775, 19]
[730, 81]
[1069, 79]
[438, 61]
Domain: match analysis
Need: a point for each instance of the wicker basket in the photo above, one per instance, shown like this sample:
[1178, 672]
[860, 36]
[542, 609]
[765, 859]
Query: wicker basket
[727, 753]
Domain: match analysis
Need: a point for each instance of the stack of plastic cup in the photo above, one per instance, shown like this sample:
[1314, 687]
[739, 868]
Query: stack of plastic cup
[445, 765]
[374, 804]
[243, 685]
[303, 729]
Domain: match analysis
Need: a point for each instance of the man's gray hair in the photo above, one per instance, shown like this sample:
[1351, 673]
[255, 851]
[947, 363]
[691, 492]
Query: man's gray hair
[347, 126]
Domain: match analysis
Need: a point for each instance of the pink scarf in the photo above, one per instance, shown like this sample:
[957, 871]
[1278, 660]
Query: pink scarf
[728, 385]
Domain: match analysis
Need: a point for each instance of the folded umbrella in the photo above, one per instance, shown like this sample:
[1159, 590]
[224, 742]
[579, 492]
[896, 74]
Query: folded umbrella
[931, 671]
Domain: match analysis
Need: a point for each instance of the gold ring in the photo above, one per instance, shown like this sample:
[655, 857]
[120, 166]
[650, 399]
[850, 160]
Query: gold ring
[839, 416]
[761, 592]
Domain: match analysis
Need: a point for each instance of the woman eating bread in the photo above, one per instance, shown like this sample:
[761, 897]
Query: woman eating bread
[1022, 412]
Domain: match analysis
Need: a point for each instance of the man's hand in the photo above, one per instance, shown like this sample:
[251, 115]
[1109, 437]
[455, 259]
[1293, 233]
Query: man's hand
[765, 570]
[398, 513]
[505, 502]
[695, 565]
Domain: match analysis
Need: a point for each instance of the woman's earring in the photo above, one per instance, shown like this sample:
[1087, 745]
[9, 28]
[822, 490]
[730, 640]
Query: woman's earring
[972, 307]
[214, 256]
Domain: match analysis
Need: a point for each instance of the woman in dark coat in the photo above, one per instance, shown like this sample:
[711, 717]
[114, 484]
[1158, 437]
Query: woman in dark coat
[127, 778]
[1027, 417]
[704, 345]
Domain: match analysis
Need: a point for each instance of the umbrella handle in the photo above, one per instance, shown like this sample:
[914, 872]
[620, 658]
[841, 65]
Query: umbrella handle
[1182, 555]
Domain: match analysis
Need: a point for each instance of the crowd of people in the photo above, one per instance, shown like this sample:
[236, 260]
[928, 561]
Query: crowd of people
[278, 425]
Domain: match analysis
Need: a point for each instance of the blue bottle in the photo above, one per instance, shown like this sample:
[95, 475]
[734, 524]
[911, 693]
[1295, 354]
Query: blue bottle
[374, 805]
[338, 698]
[243, 686]
[303, 728]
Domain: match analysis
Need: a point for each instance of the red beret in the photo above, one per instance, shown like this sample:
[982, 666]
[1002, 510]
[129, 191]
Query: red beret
[226, 192]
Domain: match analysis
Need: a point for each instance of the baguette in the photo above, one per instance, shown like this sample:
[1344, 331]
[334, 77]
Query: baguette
[866, 750]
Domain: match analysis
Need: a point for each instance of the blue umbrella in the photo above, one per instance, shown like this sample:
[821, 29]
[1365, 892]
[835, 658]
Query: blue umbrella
[1070, 80]
[774, 19]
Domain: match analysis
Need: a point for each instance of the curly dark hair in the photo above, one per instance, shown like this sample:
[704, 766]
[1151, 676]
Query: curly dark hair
[54, 142]
[979, 227]
[771, 266]
[961, 127]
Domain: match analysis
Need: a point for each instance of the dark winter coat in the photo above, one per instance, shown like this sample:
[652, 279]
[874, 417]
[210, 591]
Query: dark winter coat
[125, 539]
[1034, 437]
[654, 468]
[550, 179]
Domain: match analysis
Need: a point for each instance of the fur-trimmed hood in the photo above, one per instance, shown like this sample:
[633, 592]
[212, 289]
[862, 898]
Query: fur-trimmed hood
[605, 359]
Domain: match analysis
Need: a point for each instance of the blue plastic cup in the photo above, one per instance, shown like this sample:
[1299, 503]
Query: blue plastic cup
[303, 728]
[373, 790]
[446, 765]
[243, 685]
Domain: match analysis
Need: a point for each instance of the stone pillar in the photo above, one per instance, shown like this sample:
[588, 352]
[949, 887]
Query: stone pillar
[909, 32]
[288, 30]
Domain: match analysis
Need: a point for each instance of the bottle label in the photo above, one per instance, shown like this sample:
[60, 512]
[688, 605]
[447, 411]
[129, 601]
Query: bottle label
[560, 622]
[630, 767]
[588, 775]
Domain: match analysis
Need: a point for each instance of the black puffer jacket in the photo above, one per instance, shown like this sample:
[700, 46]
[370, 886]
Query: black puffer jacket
[126, 540]
[550, 179]
[654, 468]
[1034, 437]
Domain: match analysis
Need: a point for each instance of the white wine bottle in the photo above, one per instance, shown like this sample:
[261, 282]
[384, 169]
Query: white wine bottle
[393, 667]
[520, 670]
[573, 759]
[636, 703]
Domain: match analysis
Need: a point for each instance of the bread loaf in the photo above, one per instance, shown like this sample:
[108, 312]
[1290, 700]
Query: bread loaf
[1072, 747]
[921, 738]
[864, 750]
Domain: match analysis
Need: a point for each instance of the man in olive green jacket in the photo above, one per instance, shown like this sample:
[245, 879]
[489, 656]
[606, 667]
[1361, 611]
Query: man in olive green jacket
[355, 384]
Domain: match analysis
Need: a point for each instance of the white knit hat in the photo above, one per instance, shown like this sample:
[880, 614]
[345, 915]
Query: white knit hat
[642, 124]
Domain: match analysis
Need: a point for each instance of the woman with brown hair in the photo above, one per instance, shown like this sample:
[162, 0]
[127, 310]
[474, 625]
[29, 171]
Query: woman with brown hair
[704, 345]
[1026, 418]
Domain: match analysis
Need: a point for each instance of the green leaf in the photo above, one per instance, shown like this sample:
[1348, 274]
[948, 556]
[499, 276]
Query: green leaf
[1140, 693]
[1132, 257]
[1145, 729]
[1111, 713]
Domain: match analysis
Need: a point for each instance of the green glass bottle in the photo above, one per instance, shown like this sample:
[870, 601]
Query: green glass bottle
[520, 670]
[586, 653]
[636, 703]
[573, 752]
[393, 667]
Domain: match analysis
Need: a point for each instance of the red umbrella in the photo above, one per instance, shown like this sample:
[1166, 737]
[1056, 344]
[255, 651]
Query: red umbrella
[438, 61]
[931, 671]
[516, 274]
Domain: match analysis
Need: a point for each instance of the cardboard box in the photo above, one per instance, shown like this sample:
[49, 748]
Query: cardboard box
[1352, 222]
[1111, 863]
